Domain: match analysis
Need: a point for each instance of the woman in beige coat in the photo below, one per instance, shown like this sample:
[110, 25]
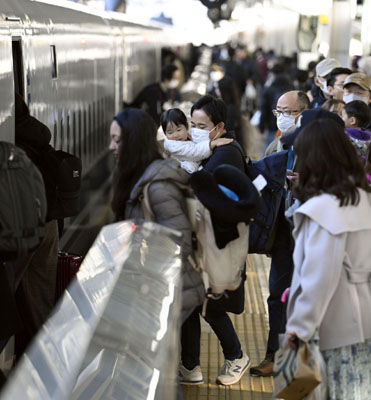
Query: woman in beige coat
[331, 285]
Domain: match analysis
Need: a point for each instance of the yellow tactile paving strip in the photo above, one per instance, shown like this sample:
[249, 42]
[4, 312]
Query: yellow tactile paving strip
[252, 329]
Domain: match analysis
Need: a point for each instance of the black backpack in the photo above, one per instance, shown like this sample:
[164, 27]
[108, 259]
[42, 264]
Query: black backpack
[262, 228]
[62, 174]
[22, 202]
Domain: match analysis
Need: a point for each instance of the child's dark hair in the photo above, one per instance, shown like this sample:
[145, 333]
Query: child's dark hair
[173, 116]
[359, 110]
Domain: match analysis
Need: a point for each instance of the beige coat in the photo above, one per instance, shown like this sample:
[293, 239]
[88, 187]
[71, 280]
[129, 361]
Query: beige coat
[331, 285]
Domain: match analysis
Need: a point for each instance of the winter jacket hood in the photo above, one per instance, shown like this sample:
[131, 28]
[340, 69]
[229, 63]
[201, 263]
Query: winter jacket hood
[32, 136]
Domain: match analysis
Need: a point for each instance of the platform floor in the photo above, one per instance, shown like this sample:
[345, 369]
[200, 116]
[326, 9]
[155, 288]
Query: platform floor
[252, 329]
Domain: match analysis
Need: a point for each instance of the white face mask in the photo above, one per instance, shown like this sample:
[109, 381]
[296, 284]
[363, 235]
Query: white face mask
[324, 87]
[174, 83]
[200, 135]
[286, 123]
[351, 97]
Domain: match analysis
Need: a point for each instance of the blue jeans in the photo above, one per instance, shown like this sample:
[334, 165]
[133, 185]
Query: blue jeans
[280, 275]
[221, 324]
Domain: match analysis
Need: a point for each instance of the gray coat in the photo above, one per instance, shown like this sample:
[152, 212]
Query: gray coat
[169, 208]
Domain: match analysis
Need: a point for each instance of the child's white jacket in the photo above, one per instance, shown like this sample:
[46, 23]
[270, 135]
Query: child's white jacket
[188, 153]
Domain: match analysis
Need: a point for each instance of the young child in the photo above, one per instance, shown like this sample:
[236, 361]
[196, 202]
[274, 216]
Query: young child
[356, 114]
[180, 146]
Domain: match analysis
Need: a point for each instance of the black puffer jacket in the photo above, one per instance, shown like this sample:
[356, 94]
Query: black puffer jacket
[169, 208]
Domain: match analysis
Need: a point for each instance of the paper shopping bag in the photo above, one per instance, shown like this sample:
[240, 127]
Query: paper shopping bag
[295, 372]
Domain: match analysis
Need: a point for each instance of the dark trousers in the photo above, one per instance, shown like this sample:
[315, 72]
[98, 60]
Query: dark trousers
[279, 279]
[36, 291]
[218, 319]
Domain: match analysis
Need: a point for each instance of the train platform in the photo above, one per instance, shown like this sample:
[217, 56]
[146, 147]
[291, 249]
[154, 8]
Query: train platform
[252, 329]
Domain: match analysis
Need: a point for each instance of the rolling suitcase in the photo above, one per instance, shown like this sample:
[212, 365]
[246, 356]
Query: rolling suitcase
[68, 265]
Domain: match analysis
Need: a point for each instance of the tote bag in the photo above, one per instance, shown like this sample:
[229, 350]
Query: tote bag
[295, 372]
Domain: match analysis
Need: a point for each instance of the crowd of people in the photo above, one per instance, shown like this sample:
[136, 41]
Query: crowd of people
[324, 221]
[322, 118]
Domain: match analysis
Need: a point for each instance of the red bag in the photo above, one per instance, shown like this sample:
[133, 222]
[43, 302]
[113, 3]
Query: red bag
[68, 265]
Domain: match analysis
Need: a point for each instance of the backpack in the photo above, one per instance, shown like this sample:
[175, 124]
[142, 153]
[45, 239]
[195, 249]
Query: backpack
[208, 259]
[62, 172]
[221, 269]
[22, 201]
[262, 228]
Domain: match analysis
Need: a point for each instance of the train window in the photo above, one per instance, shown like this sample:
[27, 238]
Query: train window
[18, 66]
[53, 57]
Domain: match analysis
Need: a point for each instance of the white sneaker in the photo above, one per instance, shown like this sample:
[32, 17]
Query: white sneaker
[190, 377]
[232, 371]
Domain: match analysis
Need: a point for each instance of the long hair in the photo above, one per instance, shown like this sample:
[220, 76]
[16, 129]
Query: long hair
[138, 148]
[328, 163]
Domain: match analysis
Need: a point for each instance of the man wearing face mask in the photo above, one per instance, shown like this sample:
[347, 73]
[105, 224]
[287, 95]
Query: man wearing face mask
[357, 86]
[292, 104]
[153, 97]
[208, 116]
[288, 110]
[320, 91]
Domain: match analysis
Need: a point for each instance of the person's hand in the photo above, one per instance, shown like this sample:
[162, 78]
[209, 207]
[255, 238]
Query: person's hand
[219, 142]
[291, 340]
[293, 177]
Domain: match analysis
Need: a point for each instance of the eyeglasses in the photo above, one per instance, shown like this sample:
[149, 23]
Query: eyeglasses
[286, 113]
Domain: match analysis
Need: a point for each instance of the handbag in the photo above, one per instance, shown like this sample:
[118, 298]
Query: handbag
[295, 372]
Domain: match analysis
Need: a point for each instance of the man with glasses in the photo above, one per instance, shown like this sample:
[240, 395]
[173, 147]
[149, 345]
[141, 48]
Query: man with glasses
[288, 110]
[335, 82]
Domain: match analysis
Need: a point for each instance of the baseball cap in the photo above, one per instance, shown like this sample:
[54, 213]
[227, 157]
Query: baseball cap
[325, 66]
[359, 79]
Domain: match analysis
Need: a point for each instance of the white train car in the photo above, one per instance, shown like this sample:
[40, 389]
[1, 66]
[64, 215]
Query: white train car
[74, 66]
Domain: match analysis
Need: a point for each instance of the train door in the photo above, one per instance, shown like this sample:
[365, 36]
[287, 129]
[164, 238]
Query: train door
[18, 66]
